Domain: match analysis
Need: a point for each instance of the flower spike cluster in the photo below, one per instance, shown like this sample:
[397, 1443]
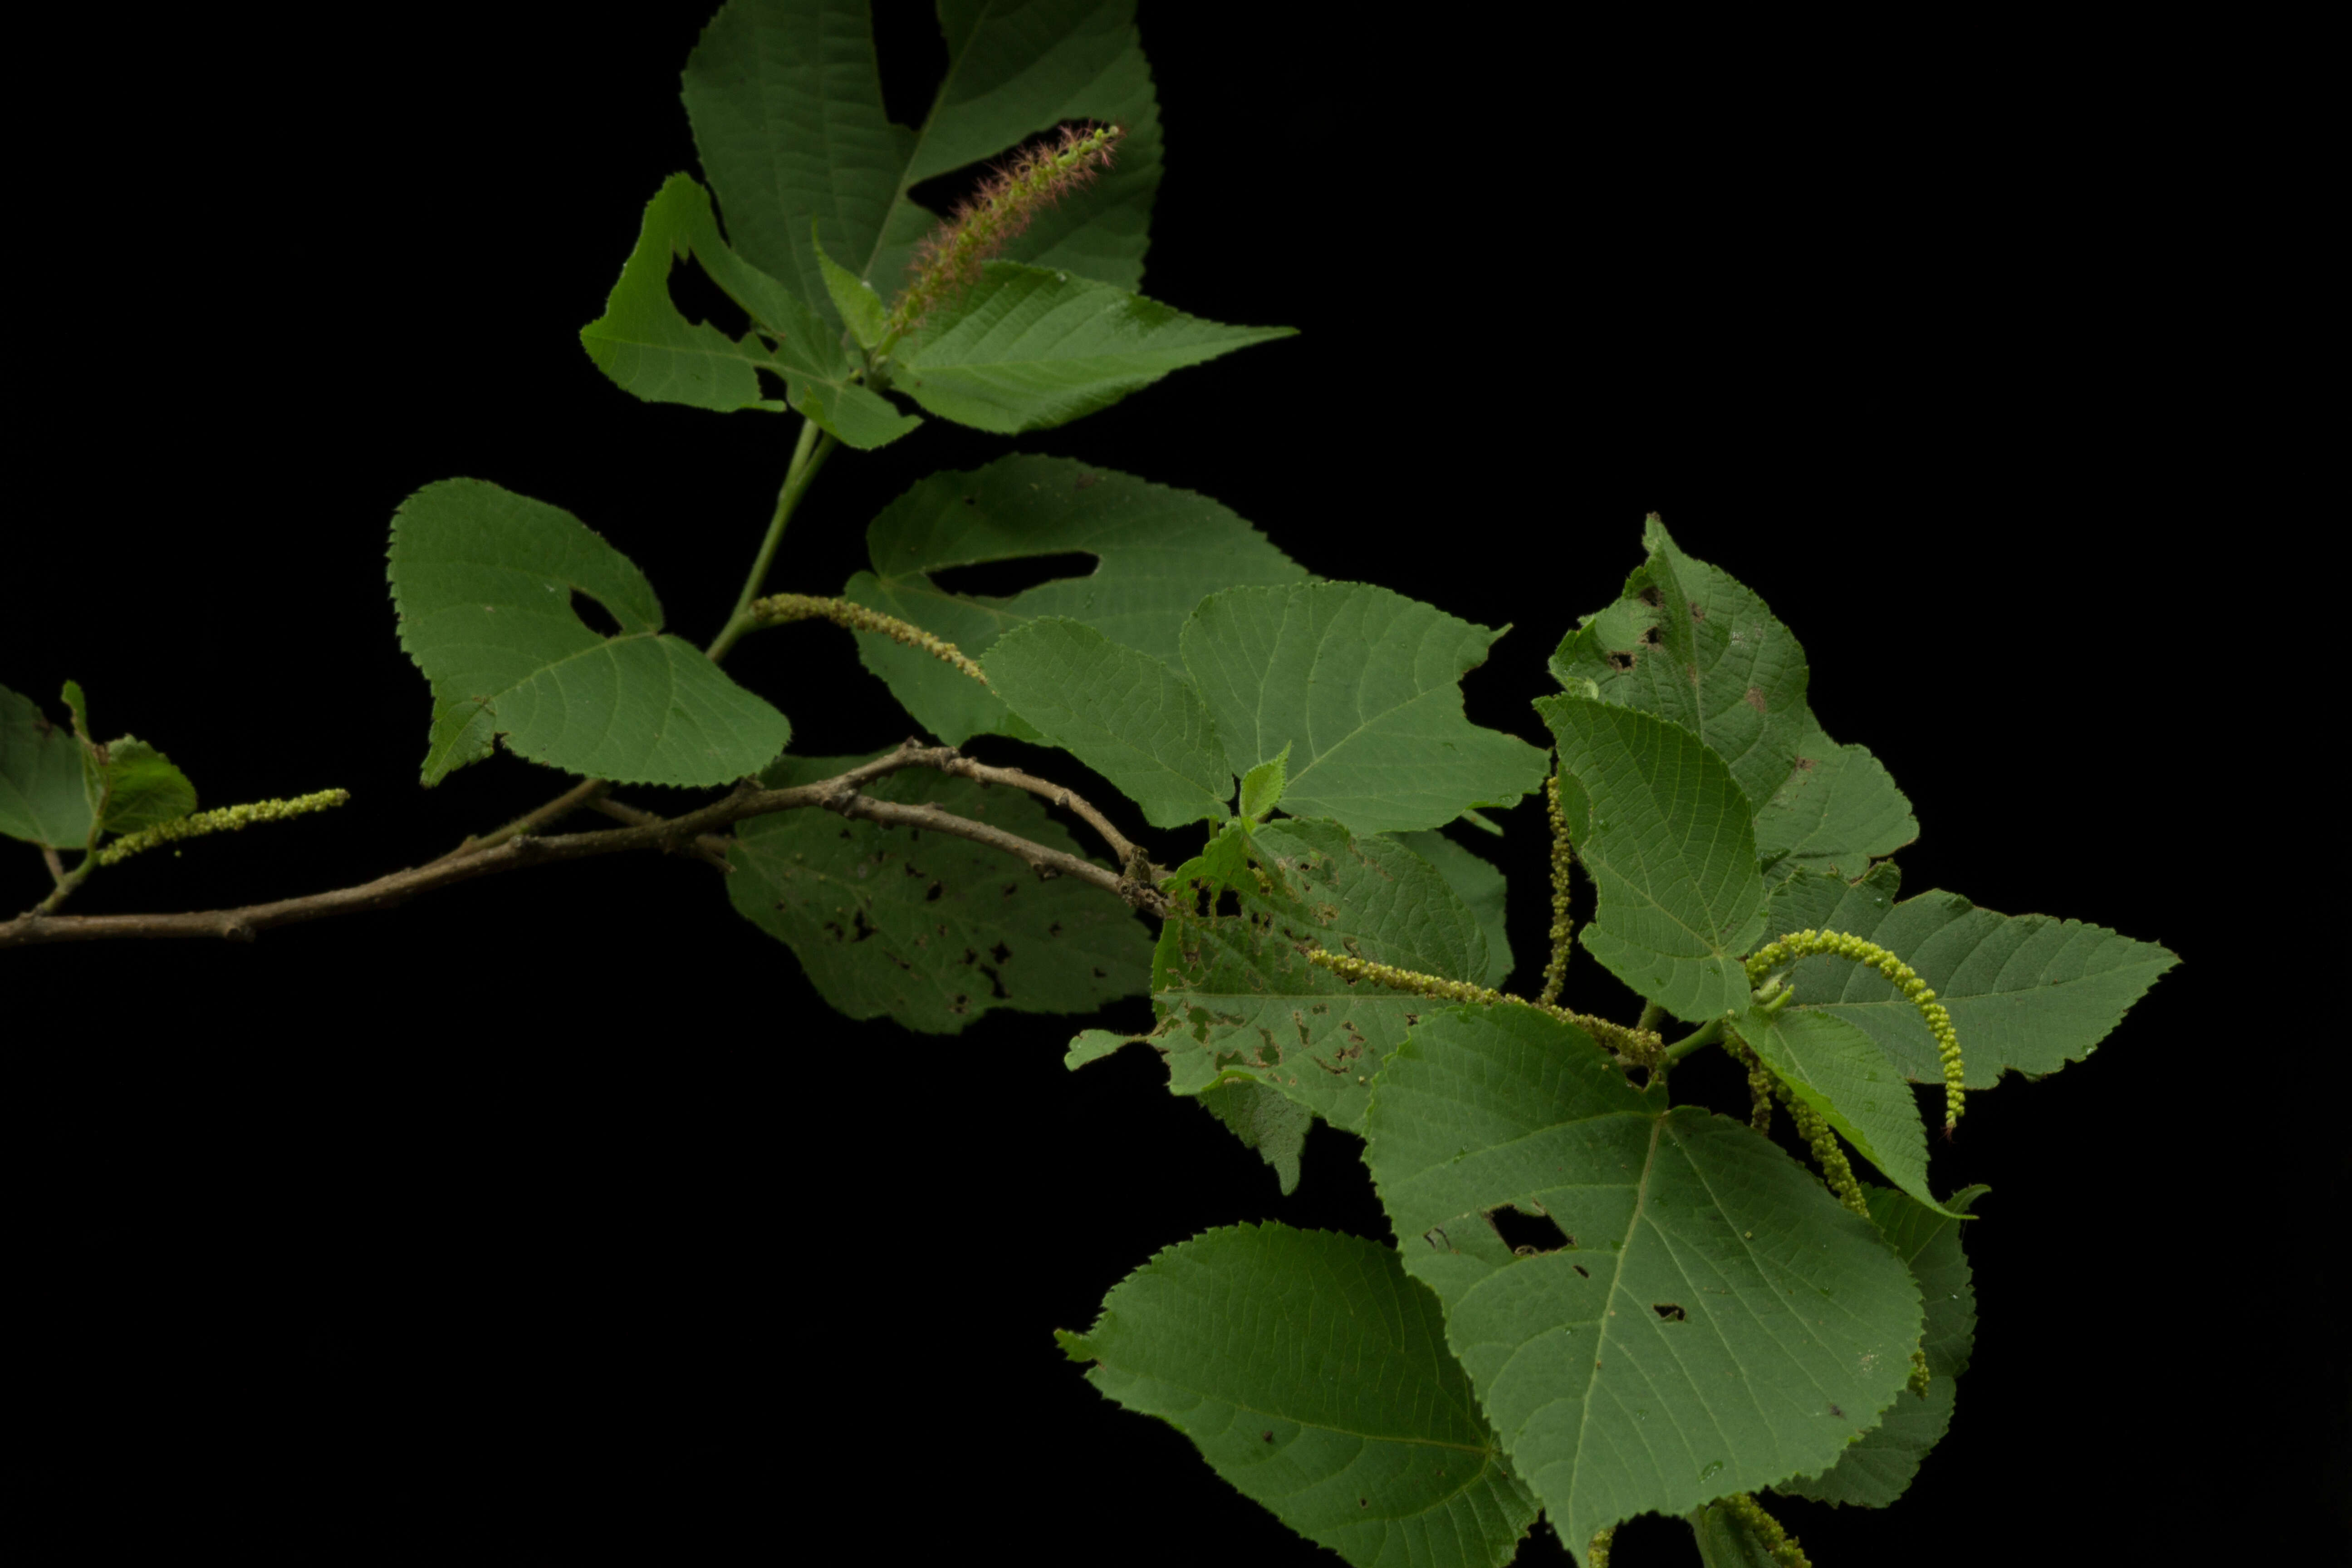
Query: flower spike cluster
[1563, 927]
[227, 819]
[1802, 943]
[949, 261]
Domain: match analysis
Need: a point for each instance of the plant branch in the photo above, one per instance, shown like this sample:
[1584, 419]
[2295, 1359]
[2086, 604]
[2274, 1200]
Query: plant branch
[587, 791]
[840, 794]
[808, 456]
[708, 847]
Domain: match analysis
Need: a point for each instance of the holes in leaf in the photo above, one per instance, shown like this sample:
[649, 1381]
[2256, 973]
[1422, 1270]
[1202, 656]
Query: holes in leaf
[1670, 1313]
[1619, 661]
[593, 616]
[1229, 903]
[1650, 638]
[1003, 579]
[1582, 1271]
[698, 298]
[999, 952]
[933, 897]
[1651, 596]
[1528, 1235]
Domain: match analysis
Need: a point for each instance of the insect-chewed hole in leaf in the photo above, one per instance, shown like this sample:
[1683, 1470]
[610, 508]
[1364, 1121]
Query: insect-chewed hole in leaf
[1229, 903]
[698, 298]
[932, 896]
[1618, 661]
[1528, 1235]
[593, 616]
[1670, 1313]
[772, 386]
[1003, 579]
[1650, 638]
[999, 952]
[1651, 596]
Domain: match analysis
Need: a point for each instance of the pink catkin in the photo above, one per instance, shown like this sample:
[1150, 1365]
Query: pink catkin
[948, 258]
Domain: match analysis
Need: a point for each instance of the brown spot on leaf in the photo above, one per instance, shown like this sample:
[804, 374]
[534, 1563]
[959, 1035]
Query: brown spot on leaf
[1753, 698]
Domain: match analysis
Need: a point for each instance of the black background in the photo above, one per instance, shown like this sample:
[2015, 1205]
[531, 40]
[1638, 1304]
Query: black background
[554, 1212]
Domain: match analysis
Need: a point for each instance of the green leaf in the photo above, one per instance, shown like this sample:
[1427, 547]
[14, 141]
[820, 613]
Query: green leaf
[1364, 686]
[1841, 1072]
[932, 930]
[1028, 347]
[1313, 1376]
[1242, 1003]
[142, 788]
[1690, 644]
[1880, 1466]
[652, 351]
[2026, 993]
[1160, 552]
[1661, 827]
[41, 798]
[1479, 886]
[1264, 1120]
[860, 307]
[1837, 811]
[1093, 1045]
[1711, 1320]
[483, 579]
[785, 102]
[1120, 711]
[1261, 787]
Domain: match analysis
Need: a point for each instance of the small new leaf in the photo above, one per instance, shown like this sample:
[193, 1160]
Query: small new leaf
[1261, 787]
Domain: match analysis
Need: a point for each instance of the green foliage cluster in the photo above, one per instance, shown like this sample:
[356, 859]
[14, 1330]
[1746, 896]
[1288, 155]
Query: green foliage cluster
[1704, 1319]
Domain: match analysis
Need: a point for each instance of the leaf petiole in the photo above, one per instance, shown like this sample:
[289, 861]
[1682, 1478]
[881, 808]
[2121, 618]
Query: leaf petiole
[808, 456]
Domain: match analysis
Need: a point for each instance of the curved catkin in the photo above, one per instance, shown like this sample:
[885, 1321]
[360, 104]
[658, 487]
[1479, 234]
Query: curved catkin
[777, 608]
[1634, 1044]
[1839, 945]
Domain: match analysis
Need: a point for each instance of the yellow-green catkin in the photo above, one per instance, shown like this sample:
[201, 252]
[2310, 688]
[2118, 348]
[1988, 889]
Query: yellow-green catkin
[948, 260]
[1767, 1531]
[1634, 1044]
[225, 819]
[780, 607]
[1562, 929]
[1760, 1083]
[1835, 1169]
[1920, 1375]
[1803, 943]
[1596, 1555]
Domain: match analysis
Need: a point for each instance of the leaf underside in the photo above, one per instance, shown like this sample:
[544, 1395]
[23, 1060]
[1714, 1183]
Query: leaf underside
[927, 929]
[41, 796]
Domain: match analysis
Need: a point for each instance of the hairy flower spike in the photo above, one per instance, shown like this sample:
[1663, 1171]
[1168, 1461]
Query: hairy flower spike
[1562, 929]
[1767, 1530]
[1639, 1045]
[227, 819]
[1815, 1130]
[1596, 1555]
[777, 608]
[948, 260]
[1919, 1373]
[1805, 944]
